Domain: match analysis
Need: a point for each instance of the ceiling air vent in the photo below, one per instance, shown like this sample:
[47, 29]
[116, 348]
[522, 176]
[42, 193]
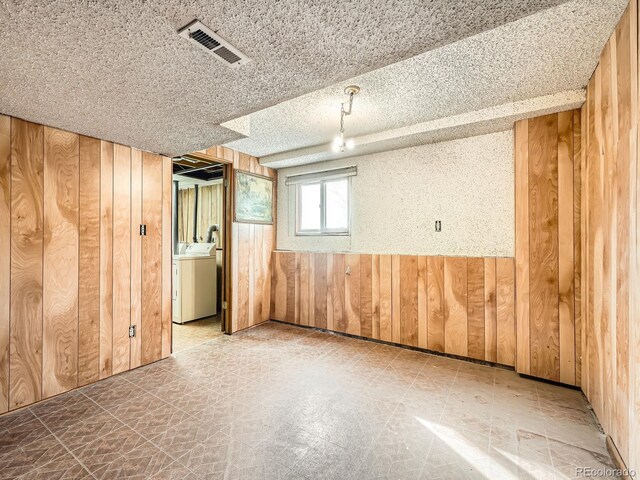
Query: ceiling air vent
[214, 44]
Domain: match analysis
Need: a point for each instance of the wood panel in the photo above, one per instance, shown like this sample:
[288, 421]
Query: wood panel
[435, 303]
[312, 291]
[584, 285]
[338, 293]
[548, 261]
[352, 294]
[566, 262]
[301, 297]
[167, 182]
[608, 300]
[5, 257]
[135, 358]
[521, 137]
[543, 246]
[268, 245]
[577, 241]
[290, 269]
[633, 459]
[605, 131]
[320, 290]
[60, 263]
[27, 192]
[386, 330]
[375, 296]
[151, 328]
[455, 306]
[423, 314]
[301, 292]
[475, 308]
[106, 259]
[89, 262]
[251, 252]
[279, 286]
[625, 210]
[491, 311]
[594, 254]
[242, 287]
[258, 275]
[505, 311]
[232, 244]
[121, 257]
[329, 302]
[254, 261]
[366, 327]
[395, 299]
[470, 301]
[409, 300]
[583, 358]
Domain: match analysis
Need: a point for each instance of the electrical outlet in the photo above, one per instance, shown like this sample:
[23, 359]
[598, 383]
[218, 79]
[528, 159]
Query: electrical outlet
[438, 226]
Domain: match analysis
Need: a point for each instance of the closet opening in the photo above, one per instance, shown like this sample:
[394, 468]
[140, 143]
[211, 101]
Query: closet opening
[200, 221]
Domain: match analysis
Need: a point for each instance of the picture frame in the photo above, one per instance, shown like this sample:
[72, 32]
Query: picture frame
[253, 198]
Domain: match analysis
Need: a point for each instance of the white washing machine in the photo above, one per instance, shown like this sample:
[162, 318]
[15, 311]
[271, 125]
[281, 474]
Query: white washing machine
[194, 283]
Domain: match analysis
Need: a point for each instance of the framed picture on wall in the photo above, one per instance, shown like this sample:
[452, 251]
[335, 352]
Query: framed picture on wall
[253, 198]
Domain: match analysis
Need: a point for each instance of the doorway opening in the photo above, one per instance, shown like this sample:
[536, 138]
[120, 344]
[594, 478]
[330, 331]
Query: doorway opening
[200, 266]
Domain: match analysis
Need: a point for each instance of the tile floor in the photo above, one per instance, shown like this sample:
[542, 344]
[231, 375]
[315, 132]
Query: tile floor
[282, 402]
[190, 334]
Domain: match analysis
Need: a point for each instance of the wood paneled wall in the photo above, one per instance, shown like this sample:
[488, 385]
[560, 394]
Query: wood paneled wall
[74, 270]
[60, 265]
[5, 257]
[251, 247]
[547, 185]
[611, 283]
[456, 305]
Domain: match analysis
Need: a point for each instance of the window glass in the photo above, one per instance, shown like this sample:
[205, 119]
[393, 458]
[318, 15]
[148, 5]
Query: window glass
[337, 204]
[322, 207]
[309, 205]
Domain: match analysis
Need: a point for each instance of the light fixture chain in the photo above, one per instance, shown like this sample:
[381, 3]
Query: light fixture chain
[344, 112]
[340, 142]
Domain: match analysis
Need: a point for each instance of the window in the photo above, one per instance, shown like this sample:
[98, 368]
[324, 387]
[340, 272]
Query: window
[322, 207]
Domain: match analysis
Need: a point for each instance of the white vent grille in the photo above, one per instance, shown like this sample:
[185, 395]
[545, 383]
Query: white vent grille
[211, 43]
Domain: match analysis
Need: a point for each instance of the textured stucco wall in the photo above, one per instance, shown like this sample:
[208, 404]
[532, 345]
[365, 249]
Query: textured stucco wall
[397, 196]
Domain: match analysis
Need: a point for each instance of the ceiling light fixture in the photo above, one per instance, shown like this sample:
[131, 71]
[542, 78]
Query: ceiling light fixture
[339, 144]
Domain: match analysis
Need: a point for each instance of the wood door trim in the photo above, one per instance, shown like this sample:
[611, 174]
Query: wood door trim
[227, 314]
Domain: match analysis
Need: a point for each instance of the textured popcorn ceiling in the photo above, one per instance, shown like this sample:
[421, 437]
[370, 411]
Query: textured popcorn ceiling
[118, 70]
[534, 58]
[468, 124]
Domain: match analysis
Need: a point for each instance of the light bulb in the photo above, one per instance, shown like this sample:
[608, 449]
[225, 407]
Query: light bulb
[337, 141]
[350, 144]
[335, 147]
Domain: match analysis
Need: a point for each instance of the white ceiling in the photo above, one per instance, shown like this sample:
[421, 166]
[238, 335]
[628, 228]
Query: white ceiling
[116, 69]
[538, 64]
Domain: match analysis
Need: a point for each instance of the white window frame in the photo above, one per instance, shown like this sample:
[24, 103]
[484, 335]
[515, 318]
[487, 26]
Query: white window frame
[323, 231]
